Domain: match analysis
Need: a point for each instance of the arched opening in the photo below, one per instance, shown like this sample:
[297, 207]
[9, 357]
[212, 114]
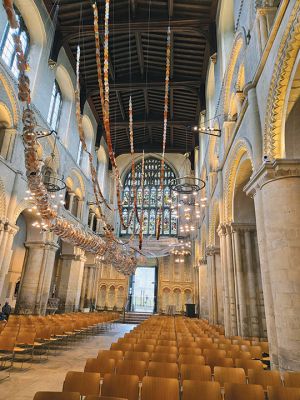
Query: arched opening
[249, 294]
[177, 300]
[291, 141]
[111, 297]
[6, 132]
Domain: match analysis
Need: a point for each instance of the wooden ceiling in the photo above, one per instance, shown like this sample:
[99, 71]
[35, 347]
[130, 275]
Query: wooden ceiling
[138, 32]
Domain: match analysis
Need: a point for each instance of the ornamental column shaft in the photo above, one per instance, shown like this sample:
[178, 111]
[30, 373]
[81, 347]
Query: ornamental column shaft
[279, 186]
[251, 276]
[223, 252]
[242, 307]
[231, 283]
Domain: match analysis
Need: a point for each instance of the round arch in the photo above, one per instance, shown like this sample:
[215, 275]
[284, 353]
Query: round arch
[241, 148]
[273, 140]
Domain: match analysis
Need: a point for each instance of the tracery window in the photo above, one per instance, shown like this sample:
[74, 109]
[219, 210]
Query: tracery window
[8, 52]
[55, 107]
[151, 200]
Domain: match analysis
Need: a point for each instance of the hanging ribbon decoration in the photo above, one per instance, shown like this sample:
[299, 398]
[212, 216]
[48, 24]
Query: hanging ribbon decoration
[166, 108]
[142, 210]
[59, 225]
[96, 187]
[103, 83]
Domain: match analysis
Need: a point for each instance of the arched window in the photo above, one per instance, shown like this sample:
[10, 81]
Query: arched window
[55, 107]
[8, 52]
[150, 200]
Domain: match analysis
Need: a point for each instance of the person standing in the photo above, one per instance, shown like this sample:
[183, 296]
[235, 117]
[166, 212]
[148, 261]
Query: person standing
[6, 310]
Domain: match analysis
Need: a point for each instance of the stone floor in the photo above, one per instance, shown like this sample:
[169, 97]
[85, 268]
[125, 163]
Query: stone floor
[49, 375]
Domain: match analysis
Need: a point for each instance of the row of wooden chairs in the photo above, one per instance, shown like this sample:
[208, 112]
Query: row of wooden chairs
[23, 336]
[128, 387]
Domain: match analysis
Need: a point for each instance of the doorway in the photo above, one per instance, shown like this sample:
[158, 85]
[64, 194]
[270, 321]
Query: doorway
[143, 290]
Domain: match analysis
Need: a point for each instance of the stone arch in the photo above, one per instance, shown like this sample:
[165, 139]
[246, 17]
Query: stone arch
[65, 83]
[241, 148]
[78, 181]
[23, 205]
[278, 93]
[14, 103]
[234, 64]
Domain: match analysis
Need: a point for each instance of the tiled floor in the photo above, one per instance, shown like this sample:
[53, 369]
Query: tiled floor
[49, 375]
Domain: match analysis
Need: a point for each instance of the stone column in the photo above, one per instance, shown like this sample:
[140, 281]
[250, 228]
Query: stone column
[83, 288]
[252, 292]
[92, 220]
[254, 125]
[71, 199]
[223, 251]
[211, 262]
[71, 278]
[9, 232]
[278, 185]
[242, 306]
[231, 282]
[36, 278]
[8, 143]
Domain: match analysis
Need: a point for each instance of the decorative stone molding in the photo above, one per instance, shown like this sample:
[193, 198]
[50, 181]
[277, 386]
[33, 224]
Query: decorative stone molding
[236, 52]
[10, 92]
[241, 147]
[279, 169]
[203, 261]
[213, 216]
[212, 250]
[287, 53]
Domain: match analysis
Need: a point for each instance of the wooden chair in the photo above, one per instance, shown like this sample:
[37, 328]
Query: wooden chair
[195, 372]
[121, 346]
[103, 398]
[56, 396]
[248, 364]
[237, 391]
[166, 349]
[131, 340]
[152, 342]
[101, 365]
[214, 353]
[154, 388]
[283, 393]
[131, 367]
[190, 359]
[264, 378]
[163, 370]
[148, 348]
[190, 350]
[256, 352]
[196, 390]
[164, 357]
[229, 375]
[137, 355]
[292, 379]
[113, 354]
[124, 386]
[83, 382]
[164, 342]
[204, 341]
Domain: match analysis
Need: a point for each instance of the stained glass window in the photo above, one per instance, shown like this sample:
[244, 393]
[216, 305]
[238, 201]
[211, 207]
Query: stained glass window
[150, 200]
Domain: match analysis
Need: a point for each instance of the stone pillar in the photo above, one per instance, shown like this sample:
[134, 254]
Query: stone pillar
[242, 306]
[36, 278]
[83, 288]
[70, 284]
[92, 220]
[254, 125]
[71, 200]
[223, 251]
[231, 282]
[211, 262]
[277, 186]
[80, 209]
[9, 232]
[252, 286]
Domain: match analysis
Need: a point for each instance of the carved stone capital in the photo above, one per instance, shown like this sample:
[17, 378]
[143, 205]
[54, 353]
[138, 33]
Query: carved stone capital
[212, 250]
[202, 261]
[242, 227]
[221, 230]
[269, 172]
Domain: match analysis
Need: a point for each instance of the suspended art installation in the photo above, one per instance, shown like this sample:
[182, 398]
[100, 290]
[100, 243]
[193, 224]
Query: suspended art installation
[103, 82]
[166, 108]
[126, 263]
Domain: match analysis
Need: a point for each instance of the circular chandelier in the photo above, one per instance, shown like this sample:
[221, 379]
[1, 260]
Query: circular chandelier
[187, 185]
[53, 184]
